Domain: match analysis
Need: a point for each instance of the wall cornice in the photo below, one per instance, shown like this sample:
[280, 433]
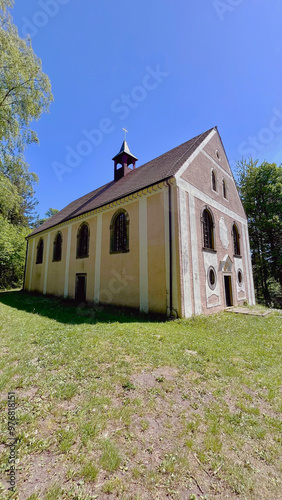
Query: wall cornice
[150, 190]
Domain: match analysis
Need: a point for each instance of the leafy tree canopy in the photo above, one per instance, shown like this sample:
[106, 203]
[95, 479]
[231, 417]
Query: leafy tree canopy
[12, 253]
[260, 188]
[49, 213]
[25, 93]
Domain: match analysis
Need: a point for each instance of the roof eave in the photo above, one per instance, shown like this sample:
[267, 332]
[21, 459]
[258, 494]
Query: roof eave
[101, 206]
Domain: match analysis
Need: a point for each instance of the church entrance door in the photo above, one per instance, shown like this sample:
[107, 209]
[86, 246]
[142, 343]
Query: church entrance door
[228, 291]
[80, 288]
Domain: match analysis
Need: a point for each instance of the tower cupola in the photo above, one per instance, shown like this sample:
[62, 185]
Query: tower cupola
[124, 158]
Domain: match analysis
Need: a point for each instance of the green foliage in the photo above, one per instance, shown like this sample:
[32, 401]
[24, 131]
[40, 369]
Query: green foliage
[260, 188]
[4, 4]
[49, 213]
[10, 200]
[25, 93]
[12, 253]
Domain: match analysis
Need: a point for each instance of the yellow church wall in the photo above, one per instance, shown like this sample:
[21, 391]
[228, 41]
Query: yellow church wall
[83, 265]
[56, 270]
[119, 274]
[156, 254]
[28, 264]
[38, 269]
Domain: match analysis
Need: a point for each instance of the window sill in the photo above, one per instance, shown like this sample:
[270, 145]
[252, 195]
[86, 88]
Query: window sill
[120, 251]
[237, 256]
[210, 250]
[57, 260]
[82, 257]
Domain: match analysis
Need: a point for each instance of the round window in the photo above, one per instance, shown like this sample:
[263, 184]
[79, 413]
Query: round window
[240, 277]
[212, 277]
[217, 154]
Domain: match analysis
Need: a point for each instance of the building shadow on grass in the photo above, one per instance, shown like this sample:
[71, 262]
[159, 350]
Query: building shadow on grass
[68, 311]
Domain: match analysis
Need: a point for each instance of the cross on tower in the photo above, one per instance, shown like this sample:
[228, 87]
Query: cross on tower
[125, 132]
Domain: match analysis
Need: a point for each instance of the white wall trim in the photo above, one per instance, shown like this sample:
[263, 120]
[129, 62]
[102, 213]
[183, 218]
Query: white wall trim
[67, 268]
[217, 165]
[166, 222]
[247, 256]
[97, 277]
[46, 264]
[195, 192]
[187, 299]
[211, 259]
[174, 254]
[143, 256]
[246, 263]
[195, 261]
[31, 265]
[238, 264]
[253, 297]
[195, 154]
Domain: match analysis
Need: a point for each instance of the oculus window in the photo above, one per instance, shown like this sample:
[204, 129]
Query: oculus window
[212, 278]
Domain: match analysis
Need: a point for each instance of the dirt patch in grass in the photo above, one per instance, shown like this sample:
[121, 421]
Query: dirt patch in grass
[40, 473]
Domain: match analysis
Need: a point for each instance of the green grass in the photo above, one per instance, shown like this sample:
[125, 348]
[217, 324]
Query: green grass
[109, 403]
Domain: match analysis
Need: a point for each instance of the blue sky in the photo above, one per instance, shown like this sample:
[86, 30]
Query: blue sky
[166, 70]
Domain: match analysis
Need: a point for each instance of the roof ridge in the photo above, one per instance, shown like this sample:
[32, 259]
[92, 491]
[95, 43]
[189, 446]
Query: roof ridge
[151, 172]
[191, 146]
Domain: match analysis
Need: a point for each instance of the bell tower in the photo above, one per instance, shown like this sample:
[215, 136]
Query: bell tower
[124, 158]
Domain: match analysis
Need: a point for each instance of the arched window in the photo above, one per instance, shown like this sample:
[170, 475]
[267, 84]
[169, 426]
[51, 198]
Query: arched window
[82, 247]
[208, 233]
[120, 232]
[224, 189]
[214, 186]
[39, 254]
[57, 249]
[236, 240]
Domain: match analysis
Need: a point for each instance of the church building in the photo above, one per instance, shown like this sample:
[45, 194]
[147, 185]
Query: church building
[169, 237]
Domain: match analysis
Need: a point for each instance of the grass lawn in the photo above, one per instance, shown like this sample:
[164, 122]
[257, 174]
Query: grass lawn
[111, 405]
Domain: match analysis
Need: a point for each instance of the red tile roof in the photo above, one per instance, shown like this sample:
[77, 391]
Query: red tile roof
[162, 167]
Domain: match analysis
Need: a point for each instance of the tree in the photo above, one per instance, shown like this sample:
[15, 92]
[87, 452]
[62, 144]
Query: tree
[49, 213]
[260, 188]
[10, 200]
[12, 253]
[25, 93]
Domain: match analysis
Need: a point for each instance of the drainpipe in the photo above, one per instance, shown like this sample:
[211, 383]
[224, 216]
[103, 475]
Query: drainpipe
[25, 264]
[170, 249]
